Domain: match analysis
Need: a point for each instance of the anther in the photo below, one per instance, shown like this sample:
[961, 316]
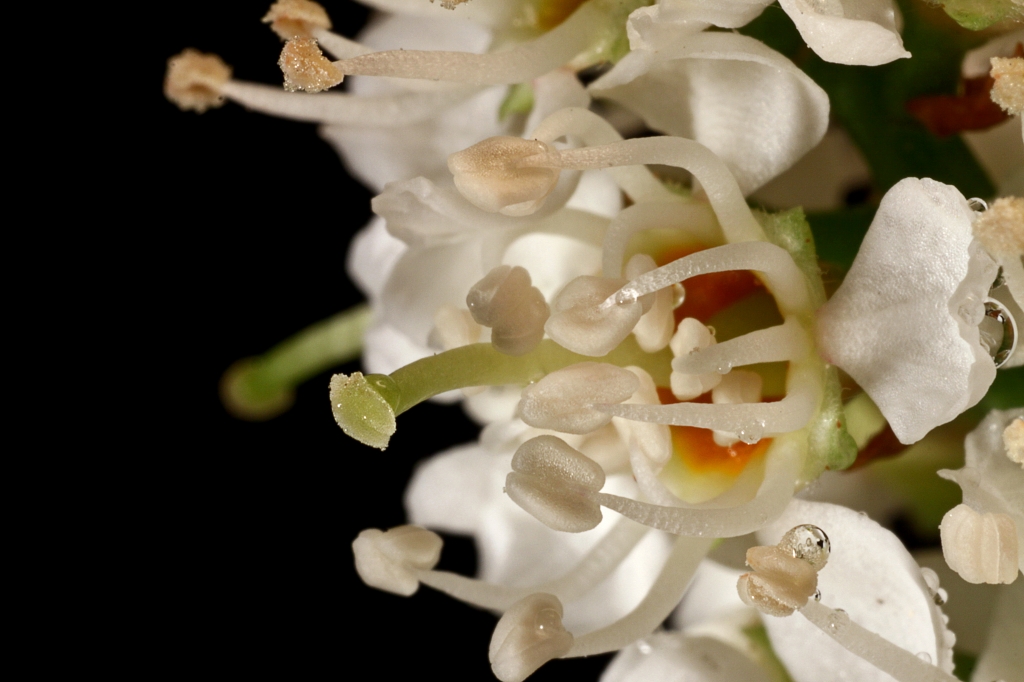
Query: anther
[1013, 441]
[488, 174]
[562, 400]
[654, 330]
[1008, 89]
[981, 548]
[296, 18]
[194, 80]
[786, 575]
[692, 335]
[583, 320]
[506, 301]
[392, 560]
[306, 68]
[736, 387]
[553, 482]
[528, 635]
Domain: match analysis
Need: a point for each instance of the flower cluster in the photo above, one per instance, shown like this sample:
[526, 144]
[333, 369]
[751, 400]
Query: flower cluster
[565, 243]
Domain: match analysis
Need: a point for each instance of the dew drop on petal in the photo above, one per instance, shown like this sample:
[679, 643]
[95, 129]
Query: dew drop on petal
[940, 597]
[977, 205]
[924, 656]
[548, 621]
[809, 543]
[998, 332]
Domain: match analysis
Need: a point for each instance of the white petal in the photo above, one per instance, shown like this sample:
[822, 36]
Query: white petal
[444, 30]
[485, 12]
[1003, 658]
[900, 324]
[556, 90]
[477, 474]
[747, 103]
[874, 579]
[372, 257]
[848, 31]
[711, 596]
[724, 13]
[675, 657]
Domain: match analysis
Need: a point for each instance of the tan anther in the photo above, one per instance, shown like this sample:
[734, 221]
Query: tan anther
[305, 67]
[1013, 441]
[296, 18]
[1001, 227]
[451, 4]
[780, 584]
[1008, 90]
[194, 79]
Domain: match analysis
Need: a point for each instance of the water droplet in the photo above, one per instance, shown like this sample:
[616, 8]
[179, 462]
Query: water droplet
[678, 295]
[999, 281]
[971, 311]
[547, 621]
[724, 367]
[931, 579]
[644, 647]
[998, 332]
[809, 543]
[711, 330]
[838, 620]
[940, 596]
[977, 205]
[817, 595]
[863, 513]
[924, 656]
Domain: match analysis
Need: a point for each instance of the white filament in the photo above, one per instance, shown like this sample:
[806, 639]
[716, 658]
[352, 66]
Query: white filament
[878, 651]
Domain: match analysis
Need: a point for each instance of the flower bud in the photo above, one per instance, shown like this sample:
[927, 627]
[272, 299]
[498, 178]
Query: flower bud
[489, 176]
[515, 310]
[583, 321]
[981, 548]
[552, 481]
[528, 635]
[391, 560]
[691, 335]
[563, 400]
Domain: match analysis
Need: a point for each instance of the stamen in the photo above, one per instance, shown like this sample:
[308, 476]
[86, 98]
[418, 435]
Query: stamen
[692, 336]
[736, 387]
[529, 635]
[786, 575]
[554, 482]
[517, 65]
[515, 310]
[783, 464]
[591, 571]
[981, 548]
[562, 400]
[306, 68]
[738, 223]
[489, 176]
[664, 595]
[656, 326]
[194, 80]
[296, 18]
[787, 341]
[878, 651]
[391, 560]
[263, 387]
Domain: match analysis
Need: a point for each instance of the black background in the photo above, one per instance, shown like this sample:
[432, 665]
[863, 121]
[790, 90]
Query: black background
[240, 534]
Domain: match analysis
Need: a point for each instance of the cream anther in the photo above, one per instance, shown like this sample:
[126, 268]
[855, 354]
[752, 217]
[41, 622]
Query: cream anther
[786, 575]
[306, 68]
[654, 330]
[506, 301]
[553, 482]
[981, 548]
[736, 387]
[692, 335]
[582, 321]
[1013, 441]
[194, 80]
[1008, 90]
[528, 635]
[652, 441]
[296, 18]
[391, 560]
[490, 176]
[562, 400]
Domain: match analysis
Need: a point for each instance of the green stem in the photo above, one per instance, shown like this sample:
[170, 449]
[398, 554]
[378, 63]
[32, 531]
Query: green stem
[480, 364]
[263, 387]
